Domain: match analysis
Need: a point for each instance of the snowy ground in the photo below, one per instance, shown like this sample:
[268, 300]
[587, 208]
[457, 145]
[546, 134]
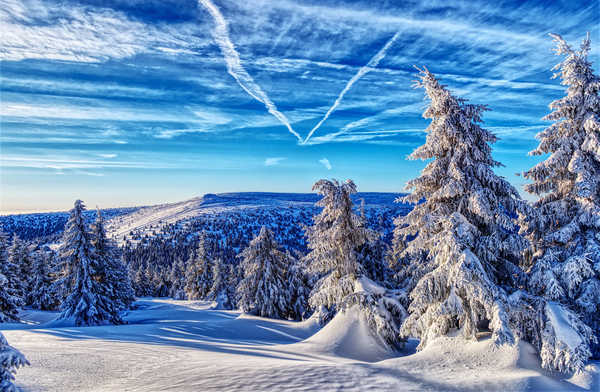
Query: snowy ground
[183, 345]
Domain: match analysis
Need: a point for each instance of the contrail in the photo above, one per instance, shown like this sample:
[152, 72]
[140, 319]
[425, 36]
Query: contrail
[361, 72]
[235, 68]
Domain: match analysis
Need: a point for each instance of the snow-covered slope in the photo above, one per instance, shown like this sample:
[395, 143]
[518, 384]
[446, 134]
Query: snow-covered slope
[185, 346]
[146, 219]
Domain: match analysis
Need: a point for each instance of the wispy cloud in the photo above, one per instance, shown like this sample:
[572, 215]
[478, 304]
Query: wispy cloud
[107, 156]
[235, 68]
[274, 161]
[70, 32]
[325, 162]
[361, 72]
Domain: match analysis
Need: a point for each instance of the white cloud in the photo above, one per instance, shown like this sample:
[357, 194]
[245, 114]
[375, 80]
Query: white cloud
[83, 34]
[107, 156]
[274, 161]
[325, 162]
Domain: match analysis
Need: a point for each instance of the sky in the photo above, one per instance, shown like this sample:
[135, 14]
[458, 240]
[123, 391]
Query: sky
[139, 102]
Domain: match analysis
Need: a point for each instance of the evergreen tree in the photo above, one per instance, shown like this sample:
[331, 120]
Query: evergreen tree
[565, 230]
[464, 228]
[9, 303]
[88, 302]
[336, 241]
[297, 284]
[177, 278]
[113, 273]
[221, 289]
[199, 274]
[17, 270]
[42, 295]
[10, 360]
[263, 290]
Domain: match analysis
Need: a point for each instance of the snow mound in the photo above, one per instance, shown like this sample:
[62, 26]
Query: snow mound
[347, 335]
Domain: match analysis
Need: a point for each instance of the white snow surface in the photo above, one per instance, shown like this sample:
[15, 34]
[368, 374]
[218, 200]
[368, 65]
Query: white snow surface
[561, 326]
[172, 345]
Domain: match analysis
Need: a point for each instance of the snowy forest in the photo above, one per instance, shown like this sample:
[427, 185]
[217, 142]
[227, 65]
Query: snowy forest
[461, 254]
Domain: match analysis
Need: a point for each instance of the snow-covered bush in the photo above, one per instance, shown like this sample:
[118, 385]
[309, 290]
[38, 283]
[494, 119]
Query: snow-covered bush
[565, 230]
[10, 360]
[381, 308]
[263, 290]
[462, 235]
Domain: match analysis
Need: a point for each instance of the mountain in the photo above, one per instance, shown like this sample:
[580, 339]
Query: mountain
[122, 222]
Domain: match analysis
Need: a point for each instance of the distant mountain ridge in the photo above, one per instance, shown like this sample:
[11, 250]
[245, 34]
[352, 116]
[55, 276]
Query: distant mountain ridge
[124, 220]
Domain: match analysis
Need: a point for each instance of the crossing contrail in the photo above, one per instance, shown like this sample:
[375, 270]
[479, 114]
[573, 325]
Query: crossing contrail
[235, 68]
[361, 72]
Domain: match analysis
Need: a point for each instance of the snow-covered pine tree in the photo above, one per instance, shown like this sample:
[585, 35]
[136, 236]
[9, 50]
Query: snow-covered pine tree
[464, 227]
[113, 273]
[9, 301]
[42, 295]
[199, 279]
[565, 230]
[335, 241]
[263, 290]
[177, 278]
[87, 303]
[221, 290]
[297, 284]
[10, 360]
[17, 270]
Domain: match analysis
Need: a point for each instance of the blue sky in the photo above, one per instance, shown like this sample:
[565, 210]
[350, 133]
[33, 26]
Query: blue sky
[140, 102]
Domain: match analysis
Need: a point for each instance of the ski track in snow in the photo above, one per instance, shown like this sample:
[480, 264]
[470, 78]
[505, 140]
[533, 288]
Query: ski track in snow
[173, 345]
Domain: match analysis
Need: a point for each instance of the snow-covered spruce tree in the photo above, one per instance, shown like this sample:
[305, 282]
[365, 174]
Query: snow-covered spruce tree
[87, 303]
[199, 279]
[463, 228]
[565, 230]
[18, 269]
[335, 240]
[113, 274]
[297, 285]
[222, 291]
[10, 360]
[9, 301]
[177, 278]
[263, 290]
[42, 295]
